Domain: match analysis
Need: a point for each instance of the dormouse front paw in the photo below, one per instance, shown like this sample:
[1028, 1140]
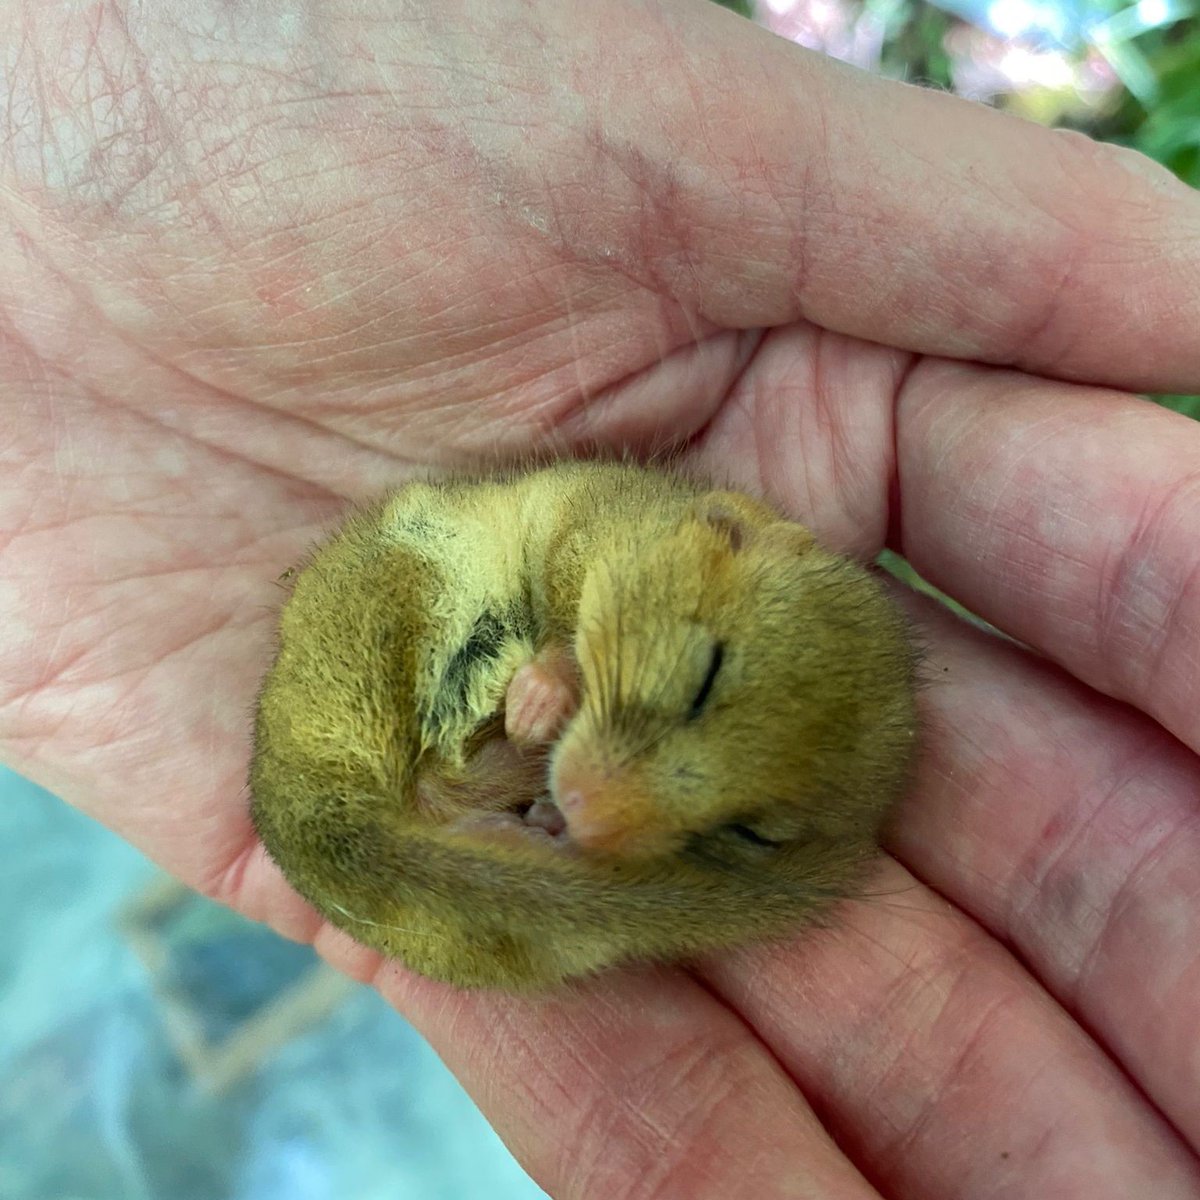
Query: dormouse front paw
[542, 697]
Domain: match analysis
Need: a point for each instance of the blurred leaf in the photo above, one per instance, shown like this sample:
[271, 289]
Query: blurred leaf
[1133, 55]
[1167, 127]
[914, 42]
[1188, 405]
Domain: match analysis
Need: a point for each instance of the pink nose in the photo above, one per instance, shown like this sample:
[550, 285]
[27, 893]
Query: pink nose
[608, 814]
[593, 824]
[572, 802]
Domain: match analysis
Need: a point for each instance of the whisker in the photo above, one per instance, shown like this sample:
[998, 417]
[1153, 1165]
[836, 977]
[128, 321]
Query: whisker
[381, 925]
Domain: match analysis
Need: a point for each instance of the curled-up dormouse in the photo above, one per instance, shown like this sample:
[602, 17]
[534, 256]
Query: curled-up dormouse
[522, 728]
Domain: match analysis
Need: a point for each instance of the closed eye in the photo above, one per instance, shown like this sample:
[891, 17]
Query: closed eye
[746, 834]
[720, 846]
[710, 677]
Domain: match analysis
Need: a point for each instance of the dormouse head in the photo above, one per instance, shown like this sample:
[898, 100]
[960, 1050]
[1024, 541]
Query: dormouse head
[737, 681]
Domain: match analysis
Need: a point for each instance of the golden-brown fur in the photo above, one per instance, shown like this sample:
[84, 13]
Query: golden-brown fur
[379, 732]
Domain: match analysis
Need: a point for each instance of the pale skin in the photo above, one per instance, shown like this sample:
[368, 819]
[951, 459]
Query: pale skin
[252, 266]
[541, 697]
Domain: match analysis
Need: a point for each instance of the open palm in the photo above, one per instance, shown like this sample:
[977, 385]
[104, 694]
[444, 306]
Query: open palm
[257, 263]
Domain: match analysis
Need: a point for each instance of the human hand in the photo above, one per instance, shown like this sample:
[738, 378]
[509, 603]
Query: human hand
[259, 261]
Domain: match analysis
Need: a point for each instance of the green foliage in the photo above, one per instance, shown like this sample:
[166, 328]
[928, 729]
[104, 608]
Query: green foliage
[743, 7]
[1163, 118]
[914, 45]
[1188, 405]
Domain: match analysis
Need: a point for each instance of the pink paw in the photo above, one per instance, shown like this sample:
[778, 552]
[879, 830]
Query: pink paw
[540, 701]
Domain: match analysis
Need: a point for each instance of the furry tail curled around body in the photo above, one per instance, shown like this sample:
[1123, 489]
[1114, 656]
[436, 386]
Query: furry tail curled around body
[483, 913]
[447, 904]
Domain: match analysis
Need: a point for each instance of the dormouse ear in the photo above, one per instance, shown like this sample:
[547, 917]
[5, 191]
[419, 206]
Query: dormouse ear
[789, 537]
[738, 517]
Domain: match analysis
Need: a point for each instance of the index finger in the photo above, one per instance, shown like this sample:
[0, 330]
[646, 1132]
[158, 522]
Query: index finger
[875, 208]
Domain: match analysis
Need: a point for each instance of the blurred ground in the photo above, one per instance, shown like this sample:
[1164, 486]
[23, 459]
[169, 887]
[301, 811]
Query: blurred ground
[101, 1098]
